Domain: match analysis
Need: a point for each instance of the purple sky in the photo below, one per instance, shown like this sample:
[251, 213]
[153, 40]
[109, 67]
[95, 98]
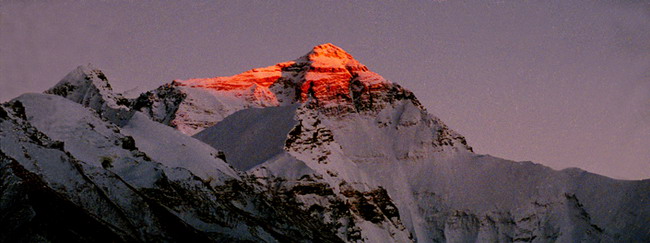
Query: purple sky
[562, 83]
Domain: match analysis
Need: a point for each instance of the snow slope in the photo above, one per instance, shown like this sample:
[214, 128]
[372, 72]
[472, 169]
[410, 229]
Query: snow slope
[172, 148]
[90, 139]
[83, 201]
[252, 136]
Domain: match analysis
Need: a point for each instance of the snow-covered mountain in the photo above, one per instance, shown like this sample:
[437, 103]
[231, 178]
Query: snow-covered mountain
[319, 149]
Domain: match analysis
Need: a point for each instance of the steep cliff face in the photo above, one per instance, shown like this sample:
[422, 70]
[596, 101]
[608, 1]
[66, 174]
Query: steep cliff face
[319, 149]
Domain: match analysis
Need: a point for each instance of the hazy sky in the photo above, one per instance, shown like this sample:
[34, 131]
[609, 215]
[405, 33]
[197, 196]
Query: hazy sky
[563, 83]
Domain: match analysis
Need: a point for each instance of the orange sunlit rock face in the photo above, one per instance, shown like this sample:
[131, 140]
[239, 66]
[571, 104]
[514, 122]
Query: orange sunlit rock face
[264, 77]
[325, 74]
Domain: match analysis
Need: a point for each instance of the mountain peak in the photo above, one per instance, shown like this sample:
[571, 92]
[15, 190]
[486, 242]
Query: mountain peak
[327, 63]
[88, 85]
[327, 46]
[80, 80]
[329, 56]
[328, 50]
[327, 73]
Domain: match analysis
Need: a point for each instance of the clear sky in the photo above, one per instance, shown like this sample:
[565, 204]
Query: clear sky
[563, 83]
